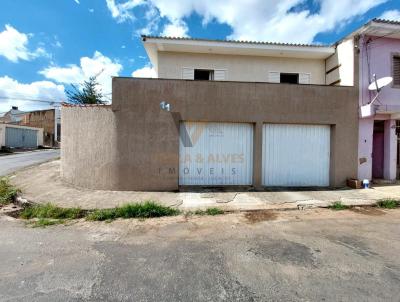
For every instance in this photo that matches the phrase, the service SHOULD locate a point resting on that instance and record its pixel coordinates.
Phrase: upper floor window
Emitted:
(290, 78)
(203, 75)
(396, 71)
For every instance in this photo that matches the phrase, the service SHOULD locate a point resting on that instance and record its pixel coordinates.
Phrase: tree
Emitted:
(86, 93)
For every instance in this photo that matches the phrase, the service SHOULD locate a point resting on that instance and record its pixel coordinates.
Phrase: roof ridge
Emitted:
(144, 37)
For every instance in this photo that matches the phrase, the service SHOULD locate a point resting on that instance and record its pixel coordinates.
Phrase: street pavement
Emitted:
(15, 162)
(311, 255)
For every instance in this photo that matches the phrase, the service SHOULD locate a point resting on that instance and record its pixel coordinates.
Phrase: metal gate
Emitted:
(296, 155)
(21, 138)
(215, 154)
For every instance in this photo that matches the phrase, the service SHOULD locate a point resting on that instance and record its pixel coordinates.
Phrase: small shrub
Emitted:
(7, 191)
(44, 222)
(388, 203)
(51, 211)
(147, 209)
(337, 205)
(209, 211)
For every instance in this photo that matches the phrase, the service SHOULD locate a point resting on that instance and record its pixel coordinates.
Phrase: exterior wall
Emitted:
(136, 145)
(3, 133)
(239, 68)
(341, 65)
(41, 119)
(89, 149)
(376, 58)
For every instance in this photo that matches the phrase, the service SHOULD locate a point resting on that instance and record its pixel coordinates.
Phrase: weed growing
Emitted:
(7, 192)
(388, 203)
(337, 205)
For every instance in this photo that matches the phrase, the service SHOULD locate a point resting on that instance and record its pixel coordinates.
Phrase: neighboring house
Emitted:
(377, 44)
(241, 113)
(48, 119)
(13, 116)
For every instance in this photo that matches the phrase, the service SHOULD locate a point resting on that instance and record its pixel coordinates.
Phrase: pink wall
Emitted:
(376, 57)
(380, 62)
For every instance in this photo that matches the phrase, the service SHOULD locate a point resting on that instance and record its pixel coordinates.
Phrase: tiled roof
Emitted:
(85, 105)
(386, 21)
(144, 37)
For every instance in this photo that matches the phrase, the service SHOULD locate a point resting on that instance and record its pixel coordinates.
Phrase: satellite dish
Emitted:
(380, 83)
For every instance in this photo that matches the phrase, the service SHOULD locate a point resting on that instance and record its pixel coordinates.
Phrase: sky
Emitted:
(47, 45)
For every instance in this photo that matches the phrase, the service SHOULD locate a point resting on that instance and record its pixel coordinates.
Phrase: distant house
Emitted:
(49, 120)
(13, 116)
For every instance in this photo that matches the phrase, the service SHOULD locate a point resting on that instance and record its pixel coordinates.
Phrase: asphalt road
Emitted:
(14, 162)
(313, 255)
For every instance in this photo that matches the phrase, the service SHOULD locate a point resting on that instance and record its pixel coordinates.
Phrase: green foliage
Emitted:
(147, 209)
(337, 205)
(44, 222)
(51, 211)
(7, 191)
(209, 211)
(388, 203)
(86, 93)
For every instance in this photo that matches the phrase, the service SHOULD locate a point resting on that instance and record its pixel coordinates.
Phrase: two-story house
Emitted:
(232, 113)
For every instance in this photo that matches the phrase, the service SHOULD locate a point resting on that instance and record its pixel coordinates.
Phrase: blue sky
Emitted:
(45, 45)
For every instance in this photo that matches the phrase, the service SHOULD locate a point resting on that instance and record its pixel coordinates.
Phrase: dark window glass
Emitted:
(203, 75)
(291, 78)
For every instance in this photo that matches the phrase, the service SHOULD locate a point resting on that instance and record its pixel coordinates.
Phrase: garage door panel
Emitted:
(21, 137)
(216, 154)
(296, 155)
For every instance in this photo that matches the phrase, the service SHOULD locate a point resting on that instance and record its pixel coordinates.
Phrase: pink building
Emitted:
(379, 54)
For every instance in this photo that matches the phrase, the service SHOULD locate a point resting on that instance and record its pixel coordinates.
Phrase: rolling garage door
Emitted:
(21, 138)
(215, 154)
(296, 155)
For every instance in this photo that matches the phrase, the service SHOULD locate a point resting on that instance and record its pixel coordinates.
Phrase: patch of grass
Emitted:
(44, 222)
(50, 211)
(337, 205)
(209, 211)
(7, 192)
(147, 209)
(388, 203)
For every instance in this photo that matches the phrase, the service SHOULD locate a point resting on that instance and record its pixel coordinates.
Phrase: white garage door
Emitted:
(296, 155)
(215, 154)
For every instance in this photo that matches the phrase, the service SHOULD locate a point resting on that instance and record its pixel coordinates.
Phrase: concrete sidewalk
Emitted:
(43, 183)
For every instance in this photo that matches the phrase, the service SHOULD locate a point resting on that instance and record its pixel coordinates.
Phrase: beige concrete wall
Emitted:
(88, 149)
(341, 64)
(136, 146)
(239, 68)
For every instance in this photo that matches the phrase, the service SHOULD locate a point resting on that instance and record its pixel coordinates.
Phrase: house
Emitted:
(13, 116)
(377, 44)
(221, 113)
(48, 119)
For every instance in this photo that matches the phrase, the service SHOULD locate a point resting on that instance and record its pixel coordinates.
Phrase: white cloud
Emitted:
(274, 20)
(14, 46)
(176, 29)
(393, 15)
(145, 72)
(77, 2)
(122, 11)
(41, 90)
(91, 10)
(99, 65)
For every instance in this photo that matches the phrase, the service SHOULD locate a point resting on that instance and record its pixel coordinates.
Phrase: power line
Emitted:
(29, 100)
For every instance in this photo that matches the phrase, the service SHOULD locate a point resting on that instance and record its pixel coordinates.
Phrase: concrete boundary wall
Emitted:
(135, 146)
